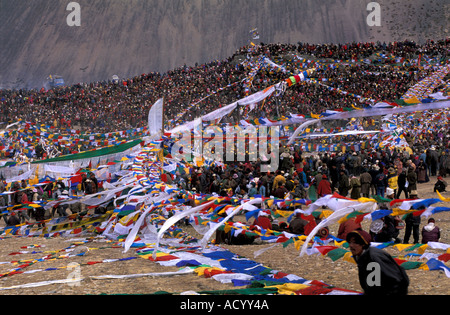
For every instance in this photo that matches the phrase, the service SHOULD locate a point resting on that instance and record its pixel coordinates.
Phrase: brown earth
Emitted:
(340, 273)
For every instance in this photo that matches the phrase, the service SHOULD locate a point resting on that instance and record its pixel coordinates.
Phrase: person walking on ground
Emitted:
(411, 177)
(343, 184)
(412, 223)
(379, 274)
(366, 180)
(402, 185)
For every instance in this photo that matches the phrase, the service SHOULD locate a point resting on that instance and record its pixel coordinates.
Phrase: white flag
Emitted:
(155, 118)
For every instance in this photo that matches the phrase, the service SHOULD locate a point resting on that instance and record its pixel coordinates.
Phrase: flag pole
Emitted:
(162, 126)
(161, 162)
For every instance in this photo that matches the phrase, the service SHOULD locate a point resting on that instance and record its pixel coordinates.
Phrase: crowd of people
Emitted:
(100, 107)
(352, 75)
(352, 174)
(17, 194)
(109, 106)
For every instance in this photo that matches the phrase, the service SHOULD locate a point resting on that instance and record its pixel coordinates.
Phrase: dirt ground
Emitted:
(339, 274)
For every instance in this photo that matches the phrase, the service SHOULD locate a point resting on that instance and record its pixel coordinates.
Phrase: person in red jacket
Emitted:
(348, 226)
(324, 187)
(263, 220)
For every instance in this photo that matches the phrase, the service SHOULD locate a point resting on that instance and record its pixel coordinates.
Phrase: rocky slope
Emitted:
(134, 36)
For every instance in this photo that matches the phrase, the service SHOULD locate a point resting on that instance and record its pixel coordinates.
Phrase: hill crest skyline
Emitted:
(127, 38)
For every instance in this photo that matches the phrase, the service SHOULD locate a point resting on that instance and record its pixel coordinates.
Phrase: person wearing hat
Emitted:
(13, 220)
(390, 193)
(378, 272)
(214, 187)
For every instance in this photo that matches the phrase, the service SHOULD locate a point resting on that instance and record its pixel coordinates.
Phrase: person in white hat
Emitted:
(390, 193)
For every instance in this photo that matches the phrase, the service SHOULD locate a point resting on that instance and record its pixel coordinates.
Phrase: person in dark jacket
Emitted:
(412, 223)
(280, 192)
(343, 184)
(440, 185)
(379, 273)
(366, 180)
(388, 233)
(13, 220)
(411, 177)
(381, 183)
(402, 185)
(430, 232)
(297, 225)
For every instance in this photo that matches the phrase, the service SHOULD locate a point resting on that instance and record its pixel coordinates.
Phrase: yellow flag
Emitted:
(336, 243)
(299, 243)
(227, 228)
(289, 288)
(348, 258)
(397, 211)
(412, 100)
(442, 198)
(200, 161)
(364, 199)
(284, 214)
(401, 247)
(326, 213)
(160, 155)
(422, 249)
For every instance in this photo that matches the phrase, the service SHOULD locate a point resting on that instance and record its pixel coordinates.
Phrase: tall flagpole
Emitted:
(161, 162)
(162, 126)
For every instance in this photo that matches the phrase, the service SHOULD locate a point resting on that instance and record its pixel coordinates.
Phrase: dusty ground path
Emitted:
(104, 258)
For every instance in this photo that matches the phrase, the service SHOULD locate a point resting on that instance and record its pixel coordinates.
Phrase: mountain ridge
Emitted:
(131, 37)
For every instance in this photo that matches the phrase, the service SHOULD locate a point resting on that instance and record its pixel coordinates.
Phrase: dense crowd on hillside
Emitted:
(106, 106)
(343, 80)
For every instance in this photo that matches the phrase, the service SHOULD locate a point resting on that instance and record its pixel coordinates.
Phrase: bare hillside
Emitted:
(134, 36)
